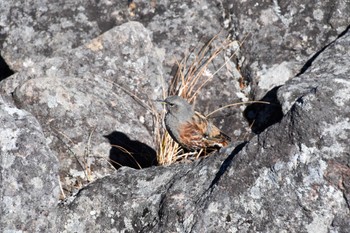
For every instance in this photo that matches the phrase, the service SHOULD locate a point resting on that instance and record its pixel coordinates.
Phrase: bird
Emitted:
(192, 130)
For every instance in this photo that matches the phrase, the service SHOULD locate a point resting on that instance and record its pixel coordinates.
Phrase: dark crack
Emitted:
(5, 70)
(308, 64)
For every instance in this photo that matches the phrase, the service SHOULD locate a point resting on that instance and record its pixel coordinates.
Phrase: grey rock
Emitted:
(279, 41)
(29, 172)
(120, 56)
(318, 75)
(106, 87)
(280, 36)
(290, 177)
(33, 31)
(293, 177)
(38, 32)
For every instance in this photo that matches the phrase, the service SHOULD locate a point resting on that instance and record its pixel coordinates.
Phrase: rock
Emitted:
(29, 172)
(146, 204)
(279, 40)
(37, 37)
(291, 177)
(120, 56)
(280, 36)
(35, 31)
(107, 86)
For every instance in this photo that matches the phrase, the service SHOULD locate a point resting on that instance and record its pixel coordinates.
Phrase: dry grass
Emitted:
(192, 75)
(236, 104)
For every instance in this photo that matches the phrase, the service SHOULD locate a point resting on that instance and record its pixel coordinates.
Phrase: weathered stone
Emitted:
(29, 172)
(292, 177)
(38, 37)
(33, 31)
(280, 36)
(106, 86)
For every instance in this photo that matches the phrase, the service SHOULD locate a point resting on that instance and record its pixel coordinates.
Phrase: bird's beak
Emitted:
(161, 101)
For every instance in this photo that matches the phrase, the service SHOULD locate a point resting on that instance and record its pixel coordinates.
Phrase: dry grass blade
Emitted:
(186, 78)
(70, 150)
(132, 95)
(128, 153)
(82, 160)
(168, 147)
(86, 161)
(62, 195)
(235, 104)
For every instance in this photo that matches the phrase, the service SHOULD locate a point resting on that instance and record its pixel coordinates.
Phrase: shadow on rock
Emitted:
(5, 70)
(126, 152)
(227, 163)
(261, 116)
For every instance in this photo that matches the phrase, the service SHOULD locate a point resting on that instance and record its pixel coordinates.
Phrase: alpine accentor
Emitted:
(191, 129)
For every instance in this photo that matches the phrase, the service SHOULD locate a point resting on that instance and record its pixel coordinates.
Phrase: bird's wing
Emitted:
(200, 133)
(191, 133)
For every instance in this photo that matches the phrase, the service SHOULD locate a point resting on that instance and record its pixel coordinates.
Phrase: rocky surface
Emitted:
(293, 177)
(279, 39)
(85, 81)
(33, 32)
(298, 28)
(29, 171)
(82, 97)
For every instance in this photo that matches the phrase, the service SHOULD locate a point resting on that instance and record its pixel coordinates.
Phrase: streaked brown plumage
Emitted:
(191, 129)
